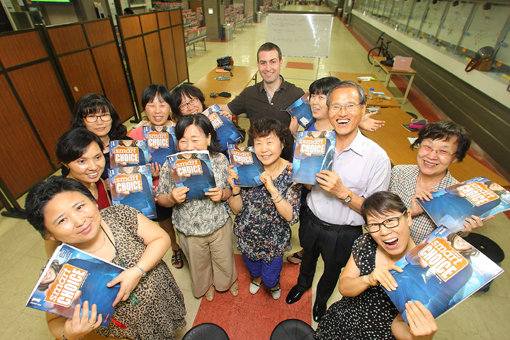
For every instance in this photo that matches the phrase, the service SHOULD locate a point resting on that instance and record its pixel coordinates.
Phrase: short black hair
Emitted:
(380, 203)
(323, 85)
(444, 130)
(72, 144)
(95, 103)
(188, 91)
(203, 123)
(264, 127)
(151, 91)
(269, 46)
(43, 192)
(350, 84)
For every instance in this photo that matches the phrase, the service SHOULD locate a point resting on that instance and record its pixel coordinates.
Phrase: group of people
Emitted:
(360, 190)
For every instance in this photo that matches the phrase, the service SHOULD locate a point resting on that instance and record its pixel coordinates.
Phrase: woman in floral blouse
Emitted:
(265, 213)
(203, 225)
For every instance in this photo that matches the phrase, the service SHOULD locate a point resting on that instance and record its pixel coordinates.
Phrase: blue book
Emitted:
(246, 164)
(313, 152)
(128, 153)
(69, 271)
(441, 272)
(132, 186)
(226, 131)
(302, 111)
(192, 169)
(478, 196)
(161, 142)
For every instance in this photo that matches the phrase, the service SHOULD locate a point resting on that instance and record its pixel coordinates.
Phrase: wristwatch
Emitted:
(348, 198)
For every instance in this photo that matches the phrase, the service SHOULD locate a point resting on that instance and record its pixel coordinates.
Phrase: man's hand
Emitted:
(331, 183)
(367, 123)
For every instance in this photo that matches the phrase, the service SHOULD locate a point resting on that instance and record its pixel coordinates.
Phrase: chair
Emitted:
(206, 331)
(292, 329)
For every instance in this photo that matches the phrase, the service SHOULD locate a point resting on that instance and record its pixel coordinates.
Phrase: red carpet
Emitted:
(253, 317)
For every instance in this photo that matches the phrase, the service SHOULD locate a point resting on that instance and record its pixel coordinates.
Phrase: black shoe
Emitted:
(318, 311)
(294, 295)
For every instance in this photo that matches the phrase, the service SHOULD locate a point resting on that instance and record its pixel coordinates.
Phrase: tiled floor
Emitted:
(483, 316)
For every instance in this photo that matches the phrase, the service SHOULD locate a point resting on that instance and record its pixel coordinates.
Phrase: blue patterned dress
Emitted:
(262, 233)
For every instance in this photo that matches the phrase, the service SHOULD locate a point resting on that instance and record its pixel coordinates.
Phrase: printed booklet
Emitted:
(246, 164)
(132, 186)
(70, 271)
(192, 169)
(161, 142)
(441, 272)
(226, 131)
(302, 111)
(128, 153)
(478, 196)
(313, 152)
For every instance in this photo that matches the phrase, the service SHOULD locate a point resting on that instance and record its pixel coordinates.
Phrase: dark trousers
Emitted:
(333, 242)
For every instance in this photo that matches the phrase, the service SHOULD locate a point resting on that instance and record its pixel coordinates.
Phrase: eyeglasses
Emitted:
(105, 117)
(390, 223)
(439, 152)
(349, 107)
(185, 106)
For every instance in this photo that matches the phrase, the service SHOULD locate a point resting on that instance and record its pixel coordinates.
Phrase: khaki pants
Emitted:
(210, 259)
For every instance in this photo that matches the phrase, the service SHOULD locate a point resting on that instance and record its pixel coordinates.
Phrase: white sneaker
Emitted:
(276, 292)
(254, 287)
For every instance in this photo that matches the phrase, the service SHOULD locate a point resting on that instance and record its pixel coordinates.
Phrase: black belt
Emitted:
(326, 225)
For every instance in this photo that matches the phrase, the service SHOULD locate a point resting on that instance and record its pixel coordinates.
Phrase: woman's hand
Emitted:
(472, 223)
(128, 280)
(79, 326)
(232, 174)
(266, 179)
(382, 275)
(293, 126)
(179, 194)
(416, 209)
(367, 123)
(422, 324)
(155, 170)
(215, 194)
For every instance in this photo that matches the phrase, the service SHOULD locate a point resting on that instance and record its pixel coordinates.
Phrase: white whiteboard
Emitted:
(300, 35)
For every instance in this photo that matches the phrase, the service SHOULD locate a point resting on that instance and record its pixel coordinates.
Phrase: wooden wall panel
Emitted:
(148, 22)
(67, 38)
(112, 76)
(180, 53)
(138, 65)
(99, 32)
(154, 58)
(80, 73)
(21, 48)
(167, 45)
(44, 102)
(130, 26)
(22, 159)
(175, 17)
(163, 19)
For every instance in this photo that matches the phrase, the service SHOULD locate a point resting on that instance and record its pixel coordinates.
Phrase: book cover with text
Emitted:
(478, 196)
(128, 153)
(132, 186)
(226, 131)
(313, 152)
(161, 142)
(246, 164)
(441, 272)
(192, 169)
(72, 277)
(302, 111)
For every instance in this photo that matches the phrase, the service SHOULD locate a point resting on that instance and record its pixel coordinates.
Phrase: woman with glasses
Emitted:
(97, 114)
(187, 100)
(439, 144)
(366, 311)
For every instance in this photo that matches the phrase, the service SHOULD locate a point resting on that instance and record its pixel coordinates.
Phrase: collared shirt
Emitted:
(403, 183)
(255, 102)
(364, 168)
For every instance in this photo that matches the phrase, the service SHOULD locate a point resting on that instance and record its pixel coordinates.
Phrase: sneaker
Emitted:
(254, 287)
(276, 291)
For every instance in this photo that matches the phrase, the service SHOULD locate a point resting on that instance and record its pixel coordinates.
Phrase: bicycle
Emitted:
(381, 50)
